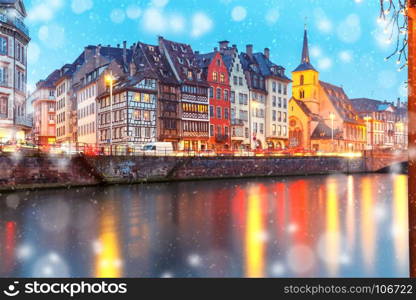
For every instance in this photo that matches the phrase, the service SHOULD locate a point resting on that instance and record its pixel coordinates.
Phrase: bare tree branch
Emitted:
(394, 14)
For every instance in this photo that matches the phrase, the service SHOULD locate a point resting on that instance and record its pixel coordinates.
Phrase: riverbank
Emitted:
(39, 172)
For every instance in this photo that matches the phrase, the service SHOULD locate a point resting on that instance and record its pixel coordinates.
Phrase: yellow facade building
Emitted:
(321, 117)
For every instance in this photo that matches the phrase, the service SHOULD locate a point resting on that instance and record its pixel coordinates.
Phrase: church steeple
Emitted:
(305, 51)
(305, 63)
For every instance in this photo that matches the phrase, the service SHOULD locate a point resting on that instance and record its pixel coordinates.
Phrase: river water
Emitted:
(321, 226)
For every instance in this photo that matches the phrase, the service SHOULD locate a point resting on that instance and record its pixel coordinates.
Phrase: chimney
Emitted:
(125, 53)
(234, 46)
(132, 68)
(249, 50)
(215, 49)
(118, 45)
(267, 53)
(97, 55)
(223, 45)
(197, 52)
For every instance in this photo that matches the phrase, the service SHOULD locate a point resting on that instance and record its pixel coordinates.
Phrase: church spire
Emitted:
(305, 51)
(305, 63)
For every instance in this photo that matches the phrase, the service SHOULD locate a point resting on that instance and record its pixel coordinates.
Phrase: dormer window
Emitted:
(174, 47)
(183, 49)
(190, 75)
(156, 58)
(180, 60)
(151, 48)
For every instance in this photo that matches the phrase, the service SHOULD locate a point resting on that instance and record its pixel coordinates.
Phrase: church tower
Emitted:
(306, 80)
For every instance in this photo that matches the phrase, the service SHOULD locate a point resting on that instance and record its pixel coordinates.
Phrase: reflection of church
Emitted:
(321, 116)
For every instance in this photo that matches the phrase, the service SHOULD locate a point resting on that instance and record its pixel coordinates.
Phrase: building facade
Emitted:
(65, 107)
(257, 98)
(276, 116)
(14, 39)
(88, 83)
(239, 97)
(215, 72)
(194, 102)
(148, 60)
(44, 111)
(386, 123)
(321, 117)
(128, 120)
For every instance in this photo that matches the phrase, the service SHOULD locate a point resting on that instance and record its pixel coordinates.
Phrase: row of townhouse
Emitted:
(120, 97)
(166, 92)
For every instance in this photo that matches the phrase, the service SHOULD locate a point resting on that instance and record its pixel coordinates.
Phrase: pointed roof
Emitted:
(305, 63)
(18, 4)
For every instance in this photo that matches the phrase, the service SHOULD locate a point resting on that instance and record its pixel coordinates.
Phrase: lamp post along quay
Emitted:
(110, 80)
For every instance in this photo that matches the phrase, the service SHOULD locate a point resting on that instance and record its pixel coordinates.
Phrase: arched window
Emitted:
(302, 80)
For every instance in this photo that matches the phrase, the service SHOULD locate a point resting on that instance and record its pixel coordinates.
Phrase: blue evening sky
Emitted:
(347, 44)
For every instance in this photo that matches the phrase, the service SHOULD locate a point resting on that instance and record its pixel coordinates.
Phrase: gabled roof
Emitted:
(250, 65)
(306, 110)
(149, 61)
(324, 132)
(182, 59)
(340, 101)
(268, 68)
(204, 61)
(364, 105)
(49, 82)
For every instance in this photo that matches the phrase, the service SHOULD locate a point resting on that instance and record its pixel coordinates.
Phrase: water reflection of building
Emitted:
(108, 261)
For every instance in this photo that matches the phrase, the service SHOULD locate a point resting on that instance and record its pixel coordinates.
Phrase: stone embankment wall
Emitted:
(49, 172)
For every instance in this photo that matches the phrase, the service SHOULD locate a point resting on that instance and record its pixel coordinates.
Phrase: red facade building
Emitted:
(215, 73)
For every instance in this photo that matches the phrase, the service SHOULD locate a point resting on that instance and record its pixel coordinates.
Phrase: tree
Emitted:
(401, 17)
(393, 13)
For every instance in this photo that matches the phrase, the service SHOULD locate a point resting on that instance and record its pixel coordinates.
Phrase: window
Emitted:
(218, 112)
(211, 92)
(302, 80)
(261, 128)
(285, 117)
(232, 97)
(146, 115)
(285, 103)
(211, 130)
(218, 94)
(3, 105)
(222, 78)
(274, 101)
(280, 117)
(274, 86)
(4, 76)
(240, 81)
(235, 80)
(226, 115)
(226, 95)
(3, 45)
(280, 88)
(211, 111)
(274, 116)
(215, 76)
(280, 102)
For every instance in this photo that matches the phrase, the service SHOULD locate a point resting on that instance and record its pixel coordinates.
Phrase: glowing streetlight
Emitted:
(332, 117)
(109, 79)
(369, 135)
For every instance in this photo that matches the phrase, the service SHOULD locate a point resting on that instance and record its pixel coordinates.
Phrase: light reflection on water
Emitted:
(325, 226)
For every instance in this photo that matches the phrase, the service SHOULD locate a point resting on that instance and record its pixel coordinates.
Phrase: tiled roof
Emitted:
(324, 132)
(183, 60)
(363, 105)
(49, 82)
(306, 110)
(203, 61)
(268, 68)
(150, 61)
(251, 66)
(340, 101)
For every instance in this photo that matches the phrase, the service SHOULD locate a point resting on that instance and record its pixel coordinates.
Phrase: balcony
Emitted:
(221, 138)
(16, 22)
(237, 122)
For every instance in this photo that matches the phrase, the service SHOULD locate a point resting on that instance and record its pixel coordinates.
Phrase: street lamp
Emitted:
(369, 142)
(109, 79)
(332, 117)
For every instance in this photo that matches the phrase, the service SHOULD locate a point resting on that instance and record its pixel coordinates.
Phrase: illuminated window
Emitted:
(215, 76)
(302, 80)
(146, 115)
(222, 78)
(137, 114)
